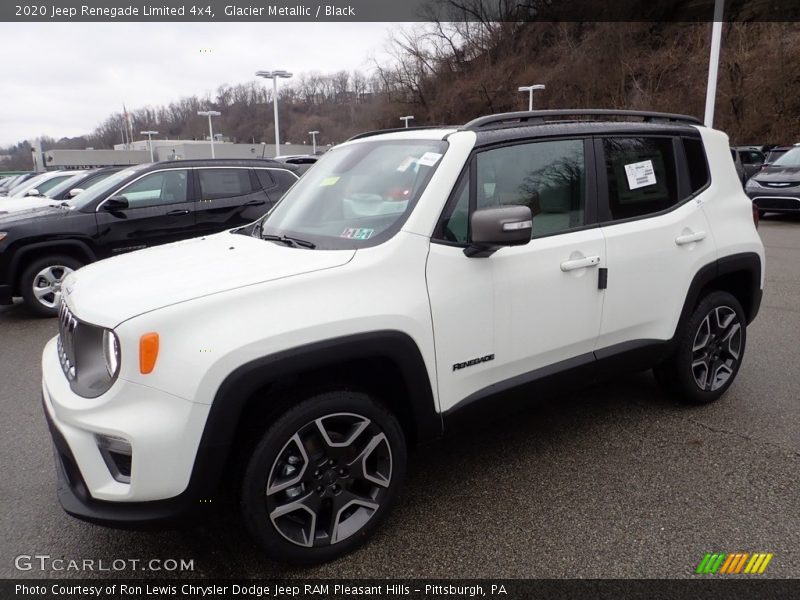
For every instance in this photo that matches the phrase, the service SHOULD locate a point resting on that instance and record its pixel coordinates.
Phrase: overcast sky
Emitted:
(64, 79)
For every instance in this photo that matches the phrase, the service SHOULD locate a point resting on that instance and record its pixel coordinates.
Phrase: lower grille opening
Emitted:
(117, 455)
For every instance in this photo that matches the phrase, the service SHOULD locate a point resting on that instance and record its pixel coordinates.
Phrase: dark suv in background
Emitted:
(777, 187)
(140, 206)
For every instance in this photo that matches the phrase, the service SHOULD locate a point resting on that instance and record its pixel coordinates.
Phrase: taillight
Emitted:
(755, 216)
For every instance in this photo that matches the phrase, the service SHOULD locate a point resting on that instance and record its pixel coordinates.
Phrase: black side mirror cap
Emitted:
(115, 203)
(493, 228)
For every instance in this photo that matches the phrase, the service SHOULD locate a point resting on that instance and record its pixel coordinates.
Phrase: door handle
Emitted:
(255, 202)
(690, 238)
(177, 212)
(580, 263)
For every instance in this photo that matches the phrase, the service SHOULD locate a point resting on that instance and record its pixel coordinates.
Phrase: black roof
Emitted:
(221, 162)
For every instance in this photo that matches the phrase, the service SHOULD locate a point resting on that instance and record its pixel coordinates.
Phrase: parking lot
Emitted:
(617, 481)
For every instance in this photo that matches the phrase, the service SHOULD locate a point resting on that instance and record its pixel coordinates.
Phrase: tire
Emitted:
(300, 507)
(41, 280)
(710, 349)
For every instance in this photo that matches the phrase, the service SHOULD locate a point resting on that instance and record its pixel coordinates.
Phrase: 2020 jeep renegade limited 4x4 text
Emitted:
(410, 284)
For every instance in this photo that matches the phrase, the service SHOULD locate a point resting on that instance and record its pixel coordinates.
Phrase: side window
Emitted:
(224, 183)
(696, 163)
(547, 177)
(265, 178)
(165, 187)
(455, 225)
(754, 158)
(641, 176)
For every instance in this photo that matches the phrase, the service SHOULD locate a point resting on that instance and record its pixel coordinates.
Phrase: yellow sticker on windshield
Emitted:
(329, 181)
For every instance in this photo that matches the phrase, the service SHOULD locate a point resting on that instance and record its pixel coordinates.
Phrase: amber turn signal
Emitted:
(148, 352)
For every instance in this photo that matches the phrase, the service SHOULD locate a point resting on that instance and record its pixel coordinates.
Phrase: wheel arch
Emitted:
(388, 363)
(75, 248)
(738, 274)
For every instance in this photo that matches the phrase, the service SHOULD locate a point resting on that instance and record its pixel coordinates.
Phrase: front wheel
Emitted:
(709, 352)
(323, 477)
(41, 283)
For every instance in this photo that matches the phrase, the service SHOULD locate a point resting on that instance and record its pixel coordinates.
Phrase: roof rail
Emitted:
(358, 136)
(536, 117)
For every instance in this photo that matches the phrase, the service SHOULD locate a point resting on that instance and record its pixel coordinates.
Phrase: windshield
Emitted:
(93, 192)
(790, 159)
(357, 195)
(19, 190)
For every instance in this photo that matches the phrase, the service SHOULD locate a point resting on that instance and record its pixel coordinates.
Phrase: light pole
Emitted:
(406, 119)
(313, 135)
(530, 89)
(713, 62)
(209, 114)
(274, 75)
(149, 135)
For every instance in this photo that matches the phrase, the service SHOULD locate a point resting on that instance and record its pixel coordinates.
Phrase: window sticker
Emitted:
(640, 174)
(407, 162)
(429, 159)
(328, 181)
(357, 234)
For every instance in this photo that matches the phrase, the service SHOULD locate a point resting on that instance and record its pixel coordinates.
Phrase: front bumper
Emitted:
(772, 200)
(164, 432)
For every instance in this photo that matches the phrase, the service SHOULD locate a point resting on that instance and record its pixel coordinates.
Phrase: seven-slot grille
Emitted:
(67, 324)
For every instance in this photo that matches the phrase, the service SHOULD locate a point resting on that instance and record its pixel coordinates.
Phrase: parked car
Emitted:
(13, 180)
(302, 161)
(777, 187)
(410, 285)
(39, 185)
(748, 161)
(141, 206)
(69, 188)
(776, 152)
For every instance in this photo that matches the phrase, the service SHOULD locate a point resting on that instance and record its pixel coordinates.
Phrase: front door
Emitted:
(161, 209)
(502, 319)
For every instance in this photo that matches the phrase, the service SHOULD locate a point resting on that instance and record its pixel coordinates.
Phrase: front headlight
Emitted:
(752, 183)
(3, 234)
(111, 352)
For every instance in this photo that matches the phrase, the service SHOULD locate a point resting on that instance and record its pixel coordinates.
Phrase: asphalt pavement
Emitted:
(616, 481)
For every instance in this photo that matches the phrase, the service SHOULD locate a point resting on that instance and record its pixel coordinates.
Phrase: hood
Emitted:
(111, 291)
(9, 205)
(21, 216)
(778, 174)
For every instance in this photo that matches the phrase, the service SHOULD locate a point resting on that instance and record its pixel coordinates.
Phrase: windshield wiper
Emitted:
(289, 241)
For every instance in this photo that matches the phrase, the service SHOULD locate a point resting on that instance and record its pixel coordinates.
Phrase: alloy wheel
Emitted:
(47, 284)
(329, 479)
(717, 348)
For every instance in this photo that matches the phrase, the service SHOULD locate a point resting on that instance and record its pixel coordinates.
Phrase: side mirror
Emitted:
(74, 192)
(493, 228)
(115, 203)
(32, 192)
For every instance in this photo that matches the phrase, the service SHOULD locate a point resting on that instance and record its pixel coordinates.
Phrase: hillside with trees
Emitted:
(450, 73)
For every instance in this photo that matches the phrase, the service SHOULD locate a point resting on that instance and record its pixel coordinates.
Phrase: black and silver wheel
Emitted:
(709, 352)
(41, 283)
(323, 476)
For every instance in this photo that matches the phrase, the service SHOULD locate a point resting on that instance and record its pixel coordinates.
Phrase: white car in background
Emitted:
(37, 186)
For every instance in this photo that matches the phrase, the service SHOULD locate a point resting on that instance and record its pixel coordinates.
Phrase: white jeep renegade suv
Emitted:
(410, 284)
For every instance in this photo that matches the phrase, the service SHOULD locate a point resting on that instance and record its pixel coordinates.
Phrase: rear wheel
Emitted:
(709, 351)
(41, 282)
(323, 477)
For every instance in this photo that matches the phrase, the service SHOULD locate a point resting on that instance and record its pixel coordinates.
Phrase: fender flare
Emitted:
(238, 387)
(15, 266)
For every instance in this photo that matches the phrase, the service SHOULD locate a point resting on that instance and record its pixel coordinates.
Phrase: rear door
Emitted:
(161, 209)
(229, 197)
(657, 236)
